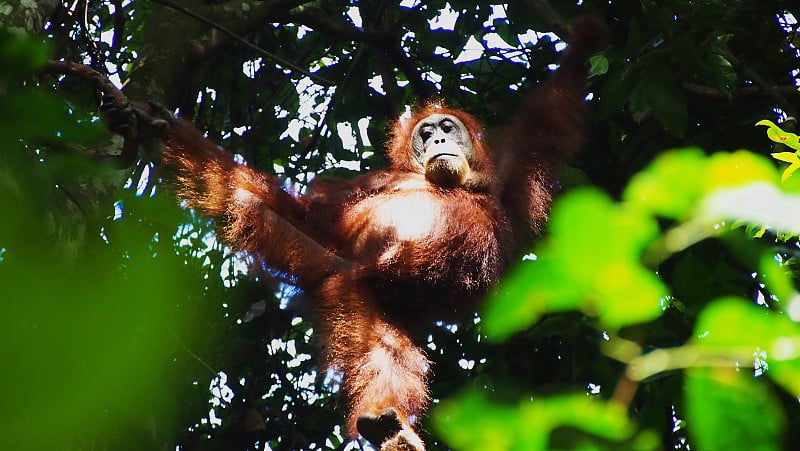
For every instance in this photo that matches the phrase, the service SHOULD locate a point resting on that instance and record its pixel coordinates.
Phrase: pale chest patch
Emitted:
(400, 216)
(411, 217)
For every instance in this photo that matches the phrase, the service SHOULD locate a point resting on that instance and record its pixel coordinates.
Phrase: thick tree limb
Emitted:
(746, 92)
(245, 42)
(100, 82)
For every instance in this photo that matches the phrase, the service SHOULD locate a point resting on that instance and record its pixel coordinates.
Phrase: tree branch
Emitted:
(766, 88)
(747, 91)
(129, 153)
(549, 15)
(382, 40)
(245, 42)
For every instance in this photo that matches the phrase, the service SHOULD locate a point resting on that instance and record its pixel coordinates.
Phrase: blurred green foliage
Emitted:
(87, 326)
(593, 251)
(560, 422)
(595, 260)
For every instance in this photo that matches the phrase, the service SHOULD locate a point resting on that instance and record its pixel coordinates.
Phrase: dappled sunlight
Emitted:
(758, 203)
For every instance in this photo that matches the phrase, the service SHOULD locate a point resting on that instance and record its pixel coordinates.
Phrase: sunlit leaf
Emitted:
(789, 157)
(776, 134)
(627, 294)
(562, 422)
(790, 169)
(757, 203)
(738, 168)
(527, 294)
(673, 185)
(593, 252)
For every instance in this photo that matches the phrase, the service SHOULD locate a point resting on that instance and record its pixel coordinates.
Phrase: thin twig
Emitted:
(768, 89)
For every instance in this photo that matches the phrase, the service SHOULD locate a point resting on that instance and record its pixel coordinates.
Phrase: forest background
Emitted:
(659, 310)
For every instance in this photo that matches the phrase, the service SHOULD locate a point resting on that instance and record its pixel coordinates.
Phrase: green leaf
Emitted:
(737, 327)
(776, 134)
(20, 56)
(473, 423)
(726, 71)
(590, 262)
(676, 182)
(598, 64)
(721, 405)
(739, 168)
(671, 185)
(720, 70)
(778, 277)
(789, 157)
(617, 90)
(659, 93)
(668, 105)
